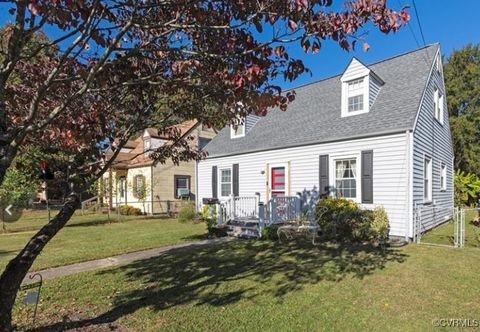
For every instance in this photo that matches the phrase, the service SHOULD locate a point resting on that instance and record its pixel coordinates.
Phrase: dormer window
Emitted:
(355, 95)
(360, 87)
(238, 130)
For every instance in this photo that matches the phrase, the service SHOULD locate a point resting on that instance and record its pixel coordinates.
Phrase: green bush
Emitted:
(341, 219)
(128, 210)
(467, 188)
(379, 226)
(187, 213)
(270, 233)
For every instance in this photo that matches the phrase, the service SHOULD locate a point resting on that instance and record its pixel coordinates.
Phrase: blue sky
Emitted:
(451, 23)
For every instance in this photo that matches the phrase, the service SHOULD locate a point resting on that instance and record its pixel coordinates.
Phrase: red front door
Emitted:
(278, 181)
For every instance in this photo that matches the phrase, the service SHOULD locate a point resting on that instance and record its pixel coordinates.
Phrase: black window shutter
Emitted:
(235, 185)
(367, 177)
(214, 182)
(323, 176)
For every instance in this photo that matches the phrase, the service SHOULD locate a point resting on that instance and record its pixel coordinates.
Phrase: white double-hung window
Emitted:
(356, 92)
(427, 179)
(443, 177)
(225, 182)
(438, 102)
(346, 178)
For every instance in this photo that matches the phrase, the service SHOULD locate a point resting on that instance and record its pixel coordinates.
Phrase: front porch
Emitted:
(246, 216)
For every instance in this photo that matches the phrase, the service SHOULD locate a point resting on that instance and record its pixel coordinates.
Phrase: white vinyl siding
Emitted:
(431, 138)
(390, 172)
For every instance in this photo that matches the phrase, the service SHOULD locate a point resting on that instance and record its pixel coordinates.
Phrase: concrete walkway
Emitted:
(123, 259)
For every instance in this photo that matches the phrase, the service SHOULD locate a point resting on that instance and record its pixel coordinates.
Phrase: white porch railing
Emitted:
(239, 207)
(279, 209)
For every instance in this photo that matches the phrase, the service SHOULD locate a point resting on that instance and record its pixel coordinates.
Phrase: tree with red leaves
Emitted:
(114, 67)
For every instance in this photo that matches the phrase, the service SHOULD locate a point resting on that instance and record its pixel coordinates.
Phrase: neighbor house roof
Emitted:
(315, 114)
(137, 157)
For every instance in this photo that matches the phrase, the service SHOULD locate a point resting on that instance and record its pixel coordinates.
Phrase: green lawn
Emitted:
(261, 286)
(444, 234)
(33, 219)
(90, 237)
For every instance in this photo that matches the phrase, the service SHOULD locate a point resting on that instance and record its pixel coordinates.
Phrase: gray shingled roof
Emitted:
(314, 116)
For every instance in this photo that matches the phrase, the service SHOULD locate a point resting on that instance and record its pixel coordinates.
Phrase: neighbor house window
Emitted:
(427, 179)
(182, 186)
(121, 186)
(225, 182)
(355, 95)
(346, 178)
(139, 188)
(443, 177)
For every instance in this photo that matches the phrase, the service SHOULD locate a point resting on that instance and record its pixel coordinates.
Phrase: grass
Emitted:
(255, 285)
(91, 237)
(32, 220)
(444, 234)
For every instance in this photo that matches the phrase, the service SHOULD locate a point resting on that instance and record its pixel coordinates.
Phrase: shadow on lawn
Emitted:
(224, 274)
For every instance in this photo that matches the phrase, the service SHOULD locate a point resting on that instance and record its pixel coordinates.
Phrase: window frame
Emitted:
(175, 184)
(363, 91)
(427, 176)
(438, 107)
(219, 181)
(333, 174)
(122, 187)
(135, 185)
(355, 178)
(443, 177)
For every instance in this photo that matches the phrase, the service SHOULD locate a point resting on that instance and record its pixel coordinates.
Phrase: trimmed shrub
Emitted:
(128, 210)
(380, 225)
(270, 233)
(341, 219)
(187, 213)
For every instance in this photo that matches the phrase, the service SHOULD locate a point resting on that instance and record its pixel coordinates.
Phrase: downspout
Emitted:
(197, 203)
(151, 190)
(409, 160)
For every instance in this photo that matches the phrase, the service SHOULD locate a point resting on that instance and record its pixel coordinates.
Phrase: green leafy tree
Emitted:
(467, 188)
(462, 81)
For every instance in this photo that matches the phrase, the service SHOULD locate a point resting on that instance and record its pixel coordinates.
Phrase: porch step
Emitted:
(243, 231)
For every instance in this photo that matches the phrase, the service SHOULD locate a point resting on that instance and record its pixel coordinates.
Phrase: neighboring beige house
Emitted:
(155, 188)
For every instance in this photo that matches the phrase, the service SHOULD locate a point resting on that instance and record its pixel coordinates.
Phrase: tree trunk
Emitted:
(17, 268)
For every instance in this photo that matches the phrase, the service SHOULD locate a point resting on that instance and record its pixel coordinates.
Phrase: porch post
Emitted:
(261, 216)
(298, 205)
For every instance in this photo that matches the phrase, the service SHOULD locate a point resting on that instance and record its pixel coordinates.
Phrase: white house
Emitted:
(377, 134)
